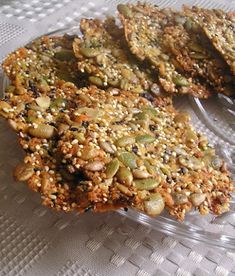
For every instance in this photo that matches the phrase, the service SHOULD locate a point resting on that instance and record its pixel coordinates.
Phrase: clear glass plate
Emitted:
(216, 118)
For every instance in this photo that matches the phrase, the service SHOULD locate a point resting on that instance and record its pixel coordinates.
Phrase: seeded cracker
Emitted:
(145, 153)
(218, 26)
(143, 27)
(94, 149)
(194, 52)
(104, 55)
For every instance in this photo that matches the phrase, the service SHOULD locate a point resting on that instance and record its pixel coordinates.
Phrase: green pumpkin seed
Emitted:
(190, 162)
(89, 153)
(96, 80)
(146, 184)
(124, 10)
(165, 170)
(150, 111)
(180, 81)
(125, 176)
(107, 147)
(198, 56)
(181, 118)
(124, 141)
(58, 103)
(80, 137)
(42, 131)
(64, 55)
(196, 47)
(128, 159)
(197, 199)
(90, 52)
(151, 169)
(112, 168)
(4, 107)
(66, 76)
(84, 98)
(145, 139)
(180, 198)
(191, 26)
(190, 135)
(154, 205)
(43, 101)
(141, 116)
(123, 189)
(23, 172)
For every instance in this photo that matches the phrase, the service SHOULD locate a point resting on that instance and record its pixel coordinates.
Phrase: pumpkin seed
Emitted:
(190, 135)
(124, 141)
(4, 107)
(145, 139)
(146, 184)
(64, 55)
(198, 56)
(125, 176)
(180, 81)
(96, 80)
(181, 118)
(58, 103)
(62, 128)
(84, 98)
(196, 47)
(128, 159)
(197, 199)
(23, 172)
(191, 26)
(43, 101)
(80, 137)
(93, 113)
(106, 146)
(112, 168)
(42, 131)
(94, 166)
(90, 52)
(150, 111)
(190, 162)
(154, 205)
(124, 10)
(180, 198)
(123, 189)
(139, 174)
(89, 153)
(216, 163)
(141, 116)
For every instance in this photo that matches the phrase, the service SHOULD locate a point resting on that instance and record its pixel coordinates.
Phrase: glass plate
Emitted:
(215, 117)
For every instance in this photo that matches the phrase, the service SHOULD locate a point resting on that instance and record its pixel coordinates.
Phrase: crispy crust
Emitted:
(196, 56)
(143, 26)
(103, 54)
(218, 26)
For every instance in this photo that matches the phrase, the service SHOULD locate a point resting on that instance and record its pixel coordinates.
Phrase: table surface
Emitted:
(37, 241)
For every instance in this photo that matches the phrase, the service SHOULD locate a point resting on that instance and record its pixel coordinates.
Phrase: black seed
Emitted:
(148, 96)
(182, 170)
(152, 127)
(125, 209)
(135, 149)
(85, 124)
(73, 128)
